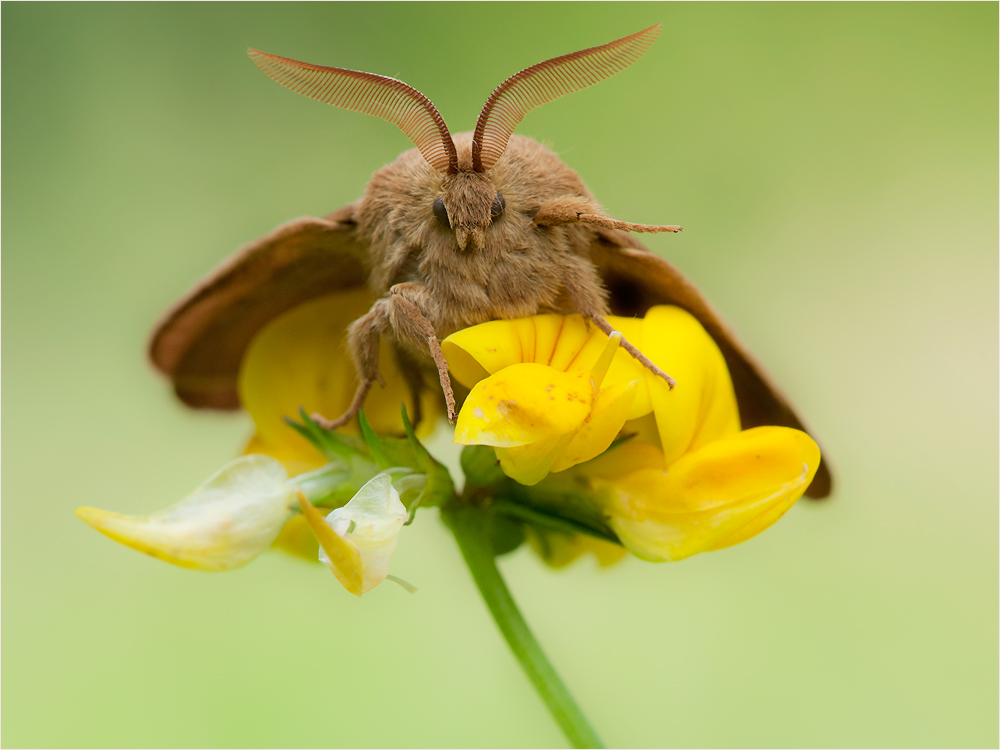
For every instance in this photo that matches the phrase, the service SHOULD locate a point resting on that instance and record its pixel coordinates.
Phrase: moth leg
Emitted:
(414, 381)
(352, 411)
(590, 299)
(363, 337)
(627, 346)
(409, 323)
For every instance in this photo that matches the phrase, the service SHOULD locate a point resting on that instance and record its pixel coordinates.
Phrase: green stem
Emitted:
(471, 527)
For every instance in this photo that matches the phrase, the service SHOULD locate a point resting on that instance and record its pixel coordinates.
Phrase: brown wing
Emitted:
(200, 342)
(637, 279)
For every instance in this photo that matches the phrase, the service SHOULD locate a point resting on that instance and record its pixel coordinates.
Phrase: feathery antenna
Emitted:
(544, 82)
(376, 95)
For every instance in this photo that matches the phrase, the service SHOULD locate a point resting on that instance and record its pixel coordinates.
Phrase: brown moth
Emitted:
(461, 230)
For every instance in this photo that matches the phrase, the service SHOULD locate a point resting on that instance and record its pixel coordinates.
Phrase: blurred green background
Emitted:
(835, 169)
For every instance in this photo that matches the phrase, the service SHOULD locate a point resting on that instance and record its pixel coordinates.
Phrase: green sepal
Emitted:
(333, 485)
(543, 520)
(480, 466)
(387, 452)
(440, 487)
(330, 443)
(565, 500)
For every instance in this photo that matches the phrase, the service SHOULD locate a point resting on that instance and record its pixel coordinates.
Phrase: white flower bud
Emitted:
(225, 523)
(371, 522)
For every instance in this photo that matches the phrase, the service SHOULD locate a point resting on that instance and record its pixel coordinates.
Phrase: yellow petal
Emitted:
(625, 368)
(522, 404)
(623, 460)
(611, 407)
(342, 556)
(564, 342)
(702, 408)
(476, 352)
(301, 359)
(714, 497)
(530, 464)
(230, 519)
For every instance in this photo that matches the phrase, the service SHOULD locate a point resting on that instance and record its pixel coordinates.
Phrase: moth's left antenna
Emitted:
(383, 97)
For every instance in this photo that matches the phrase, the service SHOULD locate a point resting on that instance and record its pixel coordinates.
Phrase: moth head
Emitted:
(468, 205)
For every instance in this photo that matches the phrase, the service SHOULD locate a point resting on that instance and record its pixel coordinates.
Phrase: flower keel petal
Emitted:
(230, 519)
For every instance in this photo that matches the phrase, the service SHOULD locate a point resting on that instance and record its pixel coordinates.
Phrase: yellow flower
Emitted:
(300, 359)
(540, 418)
(229, 520)
(716, 496)
(687, 481)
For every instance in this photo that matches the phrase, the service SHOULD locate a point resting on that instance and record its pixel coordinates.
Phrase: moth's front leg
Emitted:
(410, 324)
(590, 299)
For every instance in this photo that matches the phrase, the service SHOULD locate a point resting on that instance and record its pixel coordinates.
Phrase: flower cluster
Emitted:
(551, 392)
(569, 440)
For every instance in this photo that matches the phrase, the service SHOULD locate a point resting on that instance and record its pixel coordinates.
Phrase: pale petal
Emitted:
(225, 523)
(371, 521)
(714, 497)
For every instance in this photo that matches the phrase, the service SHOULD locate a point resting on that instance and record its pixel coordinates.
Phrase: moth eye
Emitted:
(496, 210)
(441, 213)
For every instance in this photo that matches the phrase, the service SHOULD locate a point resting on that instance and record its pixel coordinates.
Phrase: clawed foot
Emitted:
(352, 410)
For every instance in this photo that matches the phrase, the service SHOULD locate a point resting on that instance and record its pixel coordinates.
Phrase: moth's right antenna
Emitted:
(542, 83)
(392, 100)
